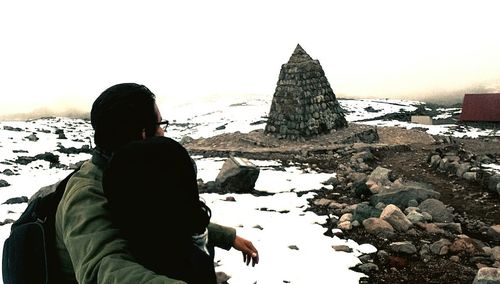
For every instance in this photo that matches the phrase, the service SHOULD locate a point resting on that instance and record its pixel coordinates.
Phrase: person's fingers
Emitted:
(255, 259)
(254, 250)
(244, 256)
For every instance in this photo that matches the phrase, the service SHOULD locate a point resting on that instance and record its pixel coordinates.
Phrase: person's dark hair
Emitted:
(153, 196)
(120, 114)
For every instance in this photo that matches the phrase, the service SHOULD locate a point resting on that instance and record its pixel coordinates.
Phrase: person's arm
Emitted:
(221, 236)
(97, 252)
(226, 238)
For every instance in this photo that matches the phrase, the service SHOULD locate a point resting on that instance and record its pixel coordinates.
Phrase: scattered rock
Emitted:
(185, 140)
(403, 247)
(465, 245)
(400, 195)
(364, 211)
(394, 216)
(437, 209)
(222, 277)
(237, 175)
(4, 183)
(378, 227)
(7, 221)
(8, 172)
(494, 233)
(367, 267)
(440, 247)
(455, 228)
(32, 137)
(487, 275)
(10, 128)
(343, 248)
(16, 200)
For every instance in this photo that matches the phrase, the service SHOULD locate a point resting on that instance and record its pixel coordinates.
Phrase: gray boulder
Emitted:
(437, 209)
(237, 175)
(401, 194)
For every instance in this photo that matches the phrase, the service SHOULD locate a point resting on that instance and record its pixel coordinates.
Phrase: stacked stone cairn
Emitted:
(304, 104)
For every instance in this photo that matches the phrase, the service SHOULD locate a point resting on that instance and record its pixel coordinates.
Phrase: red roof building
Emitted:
(481, 107)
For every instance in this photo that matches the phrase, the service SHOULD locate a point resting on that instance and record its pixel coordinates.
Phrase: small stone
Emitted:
(345, 217)
(343, 248)
(403, 247)
(258, 227)
(367, 267)
(346, 226)
(293, 247)
(230, 198)
(382, 256)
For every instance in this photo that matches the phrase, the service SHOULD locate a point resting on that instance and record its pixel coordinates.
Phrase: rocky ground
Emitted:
(442, 232)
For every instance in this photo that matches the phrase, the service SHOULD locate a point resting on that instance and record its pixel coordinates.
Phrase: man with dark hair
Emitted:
(90, 247)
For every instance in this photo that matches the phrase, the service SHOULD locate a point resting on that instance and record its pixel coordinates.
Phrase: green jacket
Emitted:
(89, 245)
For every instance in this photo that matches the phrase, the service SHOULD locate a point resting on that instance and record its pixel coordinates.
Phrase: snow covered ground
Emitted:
(290, 239)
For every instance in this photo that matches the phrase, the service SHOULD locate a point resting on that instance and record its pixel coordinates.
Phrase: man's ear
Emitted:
(143, 133)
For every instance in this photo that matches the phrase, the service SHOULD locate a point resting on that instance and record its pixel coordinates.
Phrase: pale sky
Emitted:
(57, 54)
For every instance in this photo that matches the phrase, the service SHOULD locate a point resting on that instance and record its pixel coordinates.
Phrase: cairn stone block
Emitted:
(237, 175)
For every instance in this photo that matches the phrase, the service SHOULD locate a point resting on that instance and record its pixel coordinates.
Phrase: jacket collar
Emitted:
(101, 158)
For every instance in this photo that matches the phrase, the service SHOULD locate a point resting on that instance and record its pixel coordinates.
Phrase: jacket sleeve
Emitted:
(221, 236)
(97, 252)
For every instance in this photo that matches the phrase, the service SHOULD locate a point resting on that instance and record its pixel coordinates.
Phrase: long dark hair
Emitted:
(153, 195)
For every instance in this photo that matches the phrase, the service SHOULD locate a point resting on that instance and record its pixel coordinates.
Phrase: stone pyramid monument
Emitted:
(304, 104)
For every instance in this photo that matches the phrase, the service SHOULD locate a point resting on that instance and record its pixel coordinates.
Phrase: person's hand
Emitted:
(247, 249)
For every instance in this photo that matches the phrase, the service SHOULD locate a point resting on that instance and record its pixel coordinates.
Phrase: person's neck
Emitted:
(101, 157)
